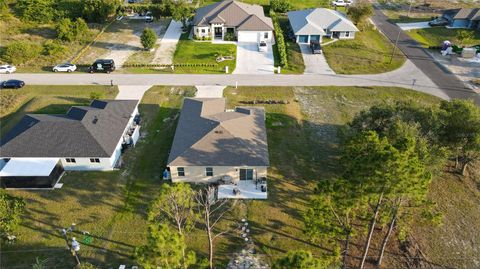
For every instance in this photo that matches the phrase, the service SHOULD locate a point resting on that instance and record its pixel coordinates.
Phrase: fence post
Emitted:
(279, 69)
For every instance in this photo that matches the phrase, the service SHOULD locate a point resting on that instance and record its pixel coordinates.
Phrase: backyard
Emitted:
(111, 205)
(369, 53)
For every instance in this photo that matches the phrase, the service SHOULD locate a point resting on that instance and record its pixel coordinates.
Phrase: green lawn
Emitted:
(435, 36)
(45, 99)
(369, 53)
(294, 54)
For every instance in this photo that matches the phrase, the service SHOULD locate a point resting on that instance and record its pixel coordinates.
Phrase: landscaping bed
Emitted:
(369, 53)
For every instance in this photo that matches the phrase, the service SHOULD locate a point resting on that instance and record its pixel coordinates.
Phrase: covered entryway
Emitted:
(218, 32)
(31, 173)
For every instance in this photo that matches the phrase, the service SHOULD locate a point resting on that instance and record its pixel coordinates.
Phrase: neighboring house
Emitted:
(212, 143)
(247, 23)
(40, 147)
(312, 24)
(463, 17)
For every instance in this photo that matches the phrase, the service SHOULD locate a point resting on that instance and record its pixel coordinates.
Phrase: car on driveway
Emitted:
(65, 68)
(439, 22)
(102, 65)
(12, 84)
(315, 47)
(7, 69)
(262, 46)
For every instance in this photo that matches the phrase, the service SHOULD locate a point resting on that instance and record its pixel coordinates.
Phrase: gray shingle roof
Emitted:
(314, 21)
(85, 131)
(466, 13)
(207, 135)
(233, 14)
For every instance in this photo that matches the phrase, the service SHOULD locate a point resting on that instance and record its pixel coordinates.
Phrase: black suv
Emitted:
(315, 46)
(102, 65)
(12, 84)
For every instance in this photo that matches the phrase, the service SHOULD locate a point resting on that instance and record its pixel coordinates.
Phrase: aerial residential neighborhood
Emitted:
(282, 134)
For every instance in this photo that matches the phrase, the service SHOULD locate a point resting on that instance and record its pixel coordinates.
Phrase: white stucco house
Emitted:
(312, 24)
(245, 22)
(40, 147)
(213, 144)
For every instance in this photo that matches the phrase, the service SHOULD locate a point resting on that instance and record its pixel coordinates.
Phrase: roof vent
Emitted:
(95, 119)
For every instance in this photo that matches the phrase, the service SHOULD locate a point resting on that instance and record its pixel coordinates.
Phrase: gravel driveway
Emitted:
(315, 63)
(251, 61)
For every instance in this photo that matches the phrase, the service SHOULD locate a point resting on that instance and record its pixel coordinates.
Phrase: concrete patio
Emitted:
(247, 190)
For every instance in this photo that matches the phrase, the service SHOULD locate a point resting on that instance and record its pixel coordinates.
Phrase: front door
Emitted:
(218, 32)
(246, 174)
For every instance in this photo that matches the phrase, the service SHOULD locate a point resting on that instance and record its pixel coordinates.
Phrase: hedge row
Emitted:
(169, 65)
(280, 39)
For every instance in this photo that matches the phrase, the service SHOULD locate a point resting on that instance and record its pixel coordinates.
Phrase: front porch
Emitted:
(243, 189)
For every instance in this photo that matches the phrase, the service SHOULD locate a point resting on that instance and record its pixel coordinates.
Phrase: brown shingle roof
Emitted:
(207, 135)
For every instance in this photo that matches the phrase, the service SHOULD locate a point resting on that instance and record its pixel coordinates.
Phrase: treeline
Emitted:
(389, 154)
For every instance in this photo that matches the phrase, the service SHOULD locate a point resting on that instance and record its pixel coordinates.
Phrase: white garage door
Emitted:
(248, 36)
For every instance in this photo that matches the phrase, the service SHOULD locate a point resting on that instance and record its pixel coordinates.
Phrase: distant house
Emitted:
(463, 17)
(312, 24)
(247, 23)
(213, 144)
(40, 147)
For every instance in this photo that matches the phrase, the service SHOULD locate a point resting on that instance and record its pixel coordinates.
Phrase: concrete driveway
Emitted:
(315, 63)
(168, 44)
(413, 25)
(251, 61)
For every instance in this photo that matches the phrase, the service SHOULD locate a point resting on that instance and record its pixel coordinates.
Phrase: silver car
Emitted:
(7, 69)
(65, 68)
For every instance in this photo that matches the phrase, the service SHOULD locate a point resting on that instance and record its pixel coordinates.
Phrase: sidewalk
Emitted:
(168, 44)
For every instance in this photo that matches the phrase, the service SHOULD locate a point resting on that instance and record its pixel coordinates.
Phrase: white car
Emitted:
(7, 69)
(65, 68)
(342, 3)
(262, 46)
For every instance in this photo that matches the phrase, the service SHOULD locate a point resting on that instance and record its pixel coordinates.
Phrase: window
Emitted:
(70, 160)
(265, 35)
(347, 34)
(181, 171)
(209, 171)
(203, 31)
(94, 160)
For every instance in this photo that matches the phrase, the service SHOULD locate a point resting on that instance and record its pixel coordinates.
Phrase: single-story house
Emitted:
(229, 18)
(463, 17)
(213, 144)
(312, 24)
(40, 147)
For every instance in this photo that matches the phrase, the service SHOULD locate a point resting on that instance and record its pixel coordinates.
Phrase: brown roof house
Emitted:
(213, 144)
(232, 20)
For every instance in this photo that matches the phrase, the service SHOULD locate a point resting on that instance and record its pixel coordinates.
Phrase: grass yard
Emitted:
(368, 53)
(435, 36)
(294, 54)
(14, 104)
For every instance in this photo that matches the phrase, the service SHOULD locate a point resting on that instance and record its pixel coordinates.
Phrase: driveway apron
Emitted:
(252, 61)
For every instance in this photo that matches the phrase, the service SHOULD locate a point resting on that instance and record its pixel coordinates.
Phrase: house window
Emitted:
(70, 160)
(203, 31)
(94, 160)
(347, 34)
(265, 35)
(181, 171)
(209, 171)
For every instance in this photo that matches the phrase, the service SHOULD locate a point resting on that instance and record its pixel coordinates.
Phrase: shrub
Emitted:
(20, 52)
(359, 13)
(99, 11)
(281, 6)
(229, 37)
(282, 48)
(148, 38)
(80, 30)
(41, 11)
(64, 30)
(51, 48)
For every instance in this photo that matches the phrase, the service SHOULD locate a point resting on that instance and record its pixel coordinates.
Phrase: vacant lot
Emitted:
(435, 36)
(14, 104)
(369, 53)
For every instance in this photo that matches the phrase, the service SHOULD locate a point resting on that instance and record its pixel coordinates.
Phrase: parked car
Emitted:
(315, 47)
(438, 22)
(102, 65)
(7, 69)
(64, 68)
(262, 46)
(342, 3)
(12, 84)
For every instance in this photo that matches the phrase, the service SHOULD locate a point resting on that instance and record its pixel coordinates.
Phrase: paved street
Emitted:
(448, 82)
(408, 76)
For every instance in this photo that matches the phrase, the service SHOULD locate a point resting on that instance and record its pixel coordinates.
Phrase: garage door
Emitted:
(246, 36)
(314, 38)
(303, 39)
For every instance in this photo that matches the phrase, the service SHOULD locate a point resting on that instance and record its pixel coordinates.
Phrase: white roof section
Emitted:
(28, 167)
(314, 21)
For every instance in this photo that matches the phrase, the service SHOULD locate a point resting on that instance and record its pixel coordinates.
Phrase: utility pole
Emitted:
(399, 31)
(75, 246)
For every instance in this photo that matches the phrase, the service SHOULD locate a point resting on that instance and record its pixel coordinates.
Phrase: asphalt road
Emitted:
(444, 79)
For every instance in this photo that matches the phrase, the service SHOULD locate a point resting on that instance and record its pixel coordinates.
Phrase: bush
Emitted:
(51, 48)
(229, 37)
(80, 30)
(41, 11)
(359, 13)
(21, 52)
(99, 11)
(281, 6)
(64, 30)
(148, 38)
(282, 48)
